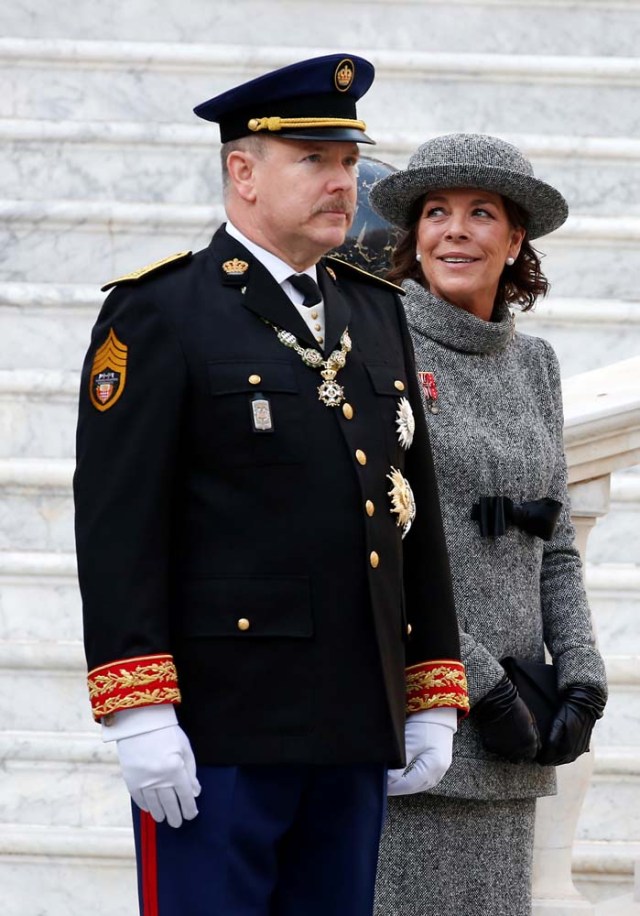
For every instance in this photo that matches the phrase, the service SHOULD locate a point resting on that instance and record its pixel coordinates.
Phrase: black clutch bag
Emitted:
(537, 684)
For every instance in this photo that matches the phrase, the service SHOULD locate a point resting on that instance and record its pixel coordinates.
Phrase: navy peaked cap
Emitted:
(311, 100)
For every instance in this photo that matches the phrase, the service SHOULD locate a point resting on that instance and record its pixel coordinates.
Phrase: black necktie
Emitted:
(308, 287)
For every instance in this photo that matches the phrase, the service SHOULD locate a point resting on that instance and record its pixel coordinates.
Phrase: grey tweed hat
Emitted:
(470, 161)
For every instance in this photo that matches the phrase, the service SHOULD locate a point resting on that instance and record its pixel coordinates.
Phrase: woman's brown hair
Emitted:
(520, 284)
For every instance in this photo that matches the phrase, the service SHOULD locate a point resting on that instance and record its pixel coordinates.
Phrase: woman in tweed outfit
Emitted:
(470, 205)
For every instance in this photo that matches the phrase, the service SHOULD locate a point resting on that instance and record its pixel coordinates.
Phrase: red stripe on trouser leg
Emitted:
(149, 864)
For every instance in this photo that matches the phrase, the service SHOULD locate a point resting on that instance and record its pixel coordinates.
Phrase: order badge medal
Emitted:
(405, 423)
(403, 504)
(108, 373)
(430, 390)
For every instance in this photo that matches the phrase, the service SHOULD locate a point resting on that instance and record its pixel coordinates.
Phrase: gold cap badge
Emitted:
(108, 373)
(344, 75)
(235, 267)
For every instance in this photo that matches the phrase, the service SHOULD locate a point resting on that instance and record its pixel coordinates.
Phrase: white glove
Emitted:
(160, 772)
(428, 739)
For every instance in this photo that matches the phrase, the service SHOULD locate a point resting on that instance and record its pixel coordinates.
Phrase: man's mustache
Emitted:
(336, 203)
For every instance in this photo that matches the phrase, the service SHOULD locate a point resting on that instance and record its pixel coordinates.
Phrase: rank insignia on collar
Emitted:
(430, 390)
(331, 273)
(108, 373)
(235, 267)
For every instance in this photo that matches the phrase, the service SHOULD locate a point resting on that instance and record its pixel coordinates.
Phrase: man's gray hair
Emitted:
(255, 145)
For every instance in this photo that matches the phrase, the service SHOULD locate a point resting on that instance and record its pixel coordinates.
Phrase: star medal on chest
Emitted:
(330, 391)
(405, 423)
(403, 504)
(430, 390)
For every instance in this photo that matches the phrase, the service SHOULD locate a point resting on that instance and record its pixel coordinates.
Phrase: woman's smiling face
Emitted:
(464, 238)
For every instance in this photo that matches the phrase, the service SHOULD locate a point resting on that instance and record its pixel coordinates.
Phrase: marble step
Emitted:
(459, 25)
(89, 791)
(48, 325)
(38, 407)
(38, 411)
(67, 871)
(39, 600)
(37, 512)
(585, 333)
(178, 163)
(91, 242)
(39, 597)
(154, 81)
(45, 681)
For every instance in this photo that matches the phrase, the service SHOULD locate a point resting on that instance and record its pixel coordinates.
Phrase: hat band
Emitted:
(275, 124)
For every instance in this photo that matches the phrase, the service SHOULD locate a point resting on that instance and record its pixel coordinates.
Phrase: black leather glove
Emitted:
(506, 725)
(571, 729)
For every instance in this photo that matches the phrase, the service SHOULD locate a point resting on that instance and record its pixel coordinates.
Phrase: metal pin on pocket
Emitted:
(261, 418)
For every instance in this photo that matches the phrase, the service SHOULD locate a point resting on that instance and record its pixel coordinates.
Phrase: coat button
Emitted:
(370, 508)
(361, 458)
(243, 624)
(408, 629)
(374, 559)
(254, 379)
(398, 385)
(347, 410)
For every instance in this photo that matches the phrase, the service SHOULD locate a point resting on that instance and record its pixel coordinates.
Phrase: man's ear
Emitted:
(241, 169)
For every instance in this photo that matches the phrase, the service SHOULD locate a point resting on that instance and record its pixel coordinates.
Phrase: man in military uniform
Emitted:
(262, 610)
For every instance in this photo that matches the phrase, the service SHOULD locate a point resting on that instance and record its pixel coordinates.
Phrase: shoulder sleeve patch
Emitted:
(108, 373)
(365, 276)
(149, 269)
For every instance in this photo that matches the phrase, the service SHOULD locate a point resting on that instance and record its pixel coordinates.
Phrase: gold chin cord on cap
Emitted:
(275, 124)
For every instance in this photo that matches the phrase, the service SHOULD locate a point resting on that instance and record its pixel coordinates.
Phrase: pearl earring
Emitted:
(418, 256)
(511, 262)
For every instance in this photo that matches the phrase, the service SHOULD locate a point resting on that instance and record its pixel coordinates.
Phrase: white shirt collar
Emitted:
(278, 268)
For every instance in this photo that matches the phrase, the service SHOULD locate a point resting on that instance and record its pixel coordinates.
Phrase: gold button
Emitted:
(374, 559)
(320, 339)
(243, 624)
(370, 508)
(347, 410)
(361, 458)
(255, 379)
(408, 629)
(314, 315)
(399, 385)
(317, 327)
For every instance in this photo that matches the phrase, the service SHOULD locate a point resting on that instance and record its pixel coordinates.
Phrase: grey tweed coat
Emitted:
(498, 430)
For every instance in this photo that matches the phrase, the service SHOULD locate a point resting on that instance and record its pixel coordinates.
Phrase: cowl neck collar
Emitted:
(454, 327)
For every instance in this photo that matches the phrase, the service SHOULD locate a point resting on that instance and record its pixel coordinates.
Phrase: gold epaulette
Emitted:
(364, 274)
(145, 271)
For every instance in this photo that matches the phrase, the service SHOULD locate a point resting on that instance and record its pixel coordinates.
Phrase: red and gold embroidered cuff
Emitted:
(438, 683)
(130, 682)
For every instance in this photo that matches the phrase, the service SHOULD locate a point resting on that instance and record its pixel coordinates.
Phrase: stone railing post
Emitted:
(554, 893)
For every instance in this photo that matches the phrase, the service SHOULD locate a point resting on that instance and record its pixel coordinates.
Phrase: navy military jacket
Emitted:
(246, 565)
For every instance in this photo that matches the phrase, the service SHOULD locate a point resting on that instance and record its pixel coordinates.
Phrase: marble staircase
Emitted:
(103, 168)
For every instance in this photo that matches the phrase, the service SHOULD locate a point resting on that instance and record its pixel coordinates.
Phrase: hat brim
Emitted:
(346, 134)
(394, 196)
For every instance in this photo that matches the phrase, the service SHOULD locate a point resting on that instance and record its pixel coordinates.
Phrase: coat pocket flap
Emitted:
(248, 608)
(385, 379)
(244, 376)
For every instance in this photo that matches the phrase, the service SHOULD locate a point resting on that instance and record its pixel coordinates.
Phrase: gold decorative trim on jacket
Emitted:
(438, 683)
(129, 682)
